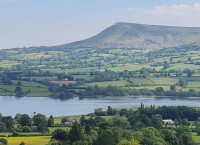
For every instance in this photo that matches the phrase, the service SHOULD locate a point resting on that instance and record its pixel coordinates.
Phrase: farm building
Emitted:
(168, 121)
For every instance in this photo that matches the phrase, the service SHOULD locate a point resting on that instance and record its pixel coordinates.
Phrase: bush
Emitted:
(59, 134)
(14, 134)
(3, 141)
(34, 128)
(22, 143)
(26, 129)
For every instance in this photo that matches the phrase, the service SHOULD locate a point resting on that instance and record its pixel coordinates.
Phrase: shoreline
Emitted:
(104, 97)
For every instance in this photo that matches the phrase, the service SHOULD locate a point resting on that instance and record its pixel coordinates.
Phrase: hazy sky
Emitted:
(52, 22)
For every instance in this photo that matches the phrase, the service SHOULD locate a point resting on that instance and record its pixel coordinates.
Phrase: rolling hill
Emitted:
(139, 36)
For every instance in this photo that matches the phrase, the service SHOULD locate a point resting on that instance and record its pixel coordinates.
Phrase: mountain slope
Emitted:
(130, 35)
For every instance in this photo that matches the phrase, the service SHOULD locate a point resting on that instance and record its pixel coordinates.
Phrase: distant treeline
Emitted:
(66, 92)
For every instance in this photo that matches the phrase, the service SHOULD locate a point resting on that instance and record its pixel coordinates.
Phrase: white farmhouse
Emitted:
(168, 121)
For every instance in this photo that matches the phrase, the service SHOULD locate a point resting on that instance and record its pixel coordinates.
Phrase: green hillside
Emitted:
(130, 35)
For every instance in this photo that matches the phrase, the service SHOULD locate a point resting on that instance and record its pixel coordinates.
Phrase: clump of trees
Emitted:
(130, 127)
(39, 123)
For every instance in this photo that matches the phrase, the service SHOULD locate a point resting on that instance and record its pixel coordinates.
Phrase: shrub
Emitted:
(26, 129)
(14, 134)
(3, 141)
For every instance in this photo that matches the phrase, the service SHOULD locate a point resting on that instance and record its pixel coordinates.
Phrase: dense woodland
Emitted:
(143, 125)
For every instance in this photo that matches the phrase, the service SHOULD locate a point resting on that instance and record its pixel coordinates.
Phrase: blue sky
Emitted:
(52, 22)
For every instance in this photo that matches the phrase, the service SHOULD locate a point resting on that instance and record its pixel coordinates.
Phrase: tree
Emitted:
(99, 120)
(25, 120)
(159, 91)
(88, 130)
(22, 143)
(60, 134)
(3, 141)
(166, 65)
(173, 88)
(26, 129)
(169, 136)
(198, 126)
(39, 118)
(118, 121)
(8, 122)
(40, 121)
(18, 89)
(157, 120)
(111, 111)
(184, 136)
(2, 127)
(15, 134)
(1, 116)
(18, 117)
(51, 121)
(99, 112)
(82, 120)
(176, 122)
(189, 58)
(19, 83)
(151, 136)
(6, 81)
(189, 73)
(108, 136)
(182, 82)
(198, 130)
(75, 132)
(185, 122)
(42, 127)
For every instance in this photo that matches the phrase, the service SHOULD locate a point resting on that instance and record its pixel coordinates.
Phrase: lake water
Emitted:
(56, 107)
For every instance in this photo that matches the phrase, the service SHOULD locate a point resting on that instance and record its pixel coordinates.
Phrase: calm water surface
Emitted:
(56, 107)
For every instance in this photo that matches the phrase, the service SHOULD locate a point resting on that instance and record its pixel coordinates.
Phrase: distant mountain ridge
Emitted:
(139, 36)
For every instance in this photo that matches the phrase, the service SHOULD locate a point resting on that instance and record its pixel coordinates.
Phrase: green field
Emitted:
(50, 78)
(121, 83)
(38, 140)
(181, 66)
(52, 129)
(164, 81)
(142, 81)
(129, 68)
(195, 137)
(7, 63)
(36, 89)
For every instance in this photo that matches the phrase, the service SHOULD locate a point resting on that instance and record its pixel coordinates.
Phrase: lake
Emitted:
(48, 106)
